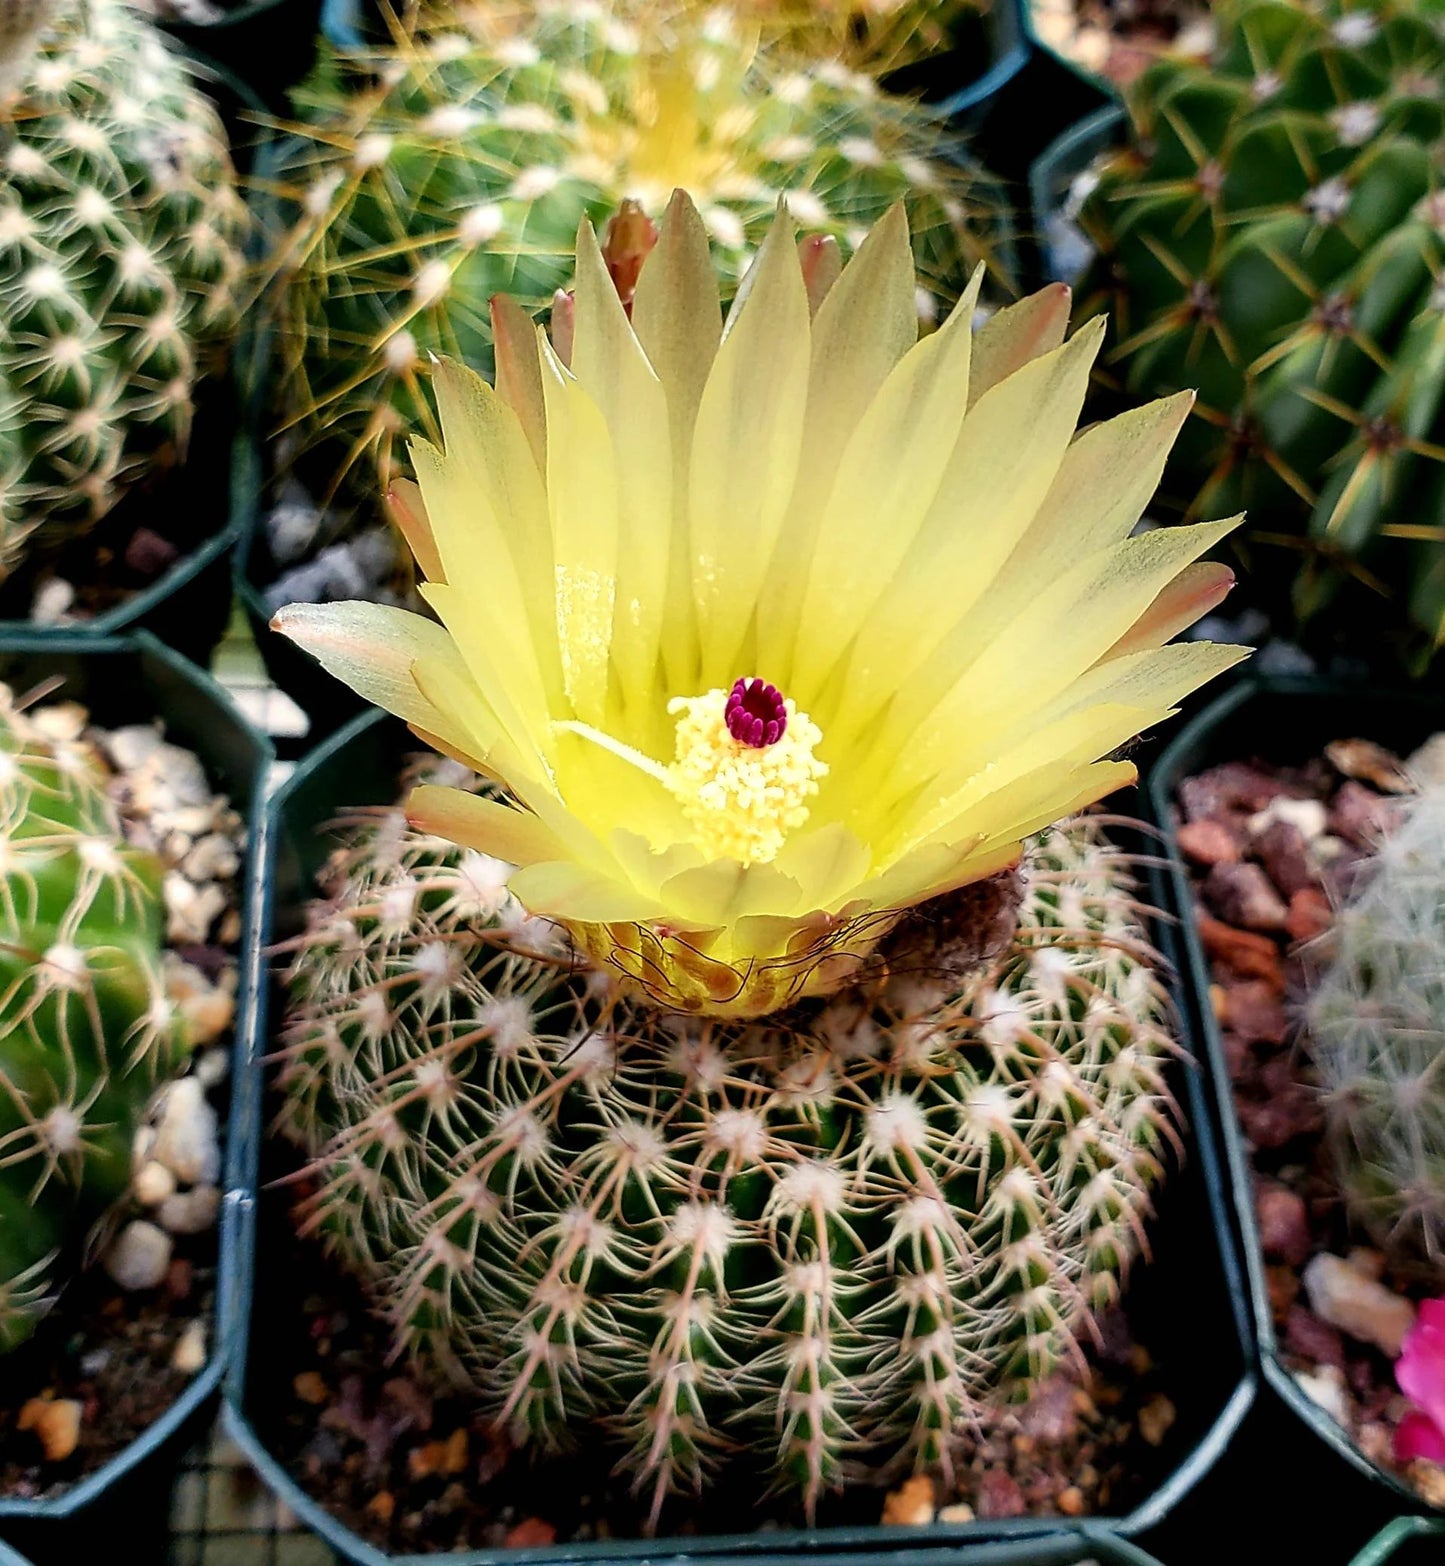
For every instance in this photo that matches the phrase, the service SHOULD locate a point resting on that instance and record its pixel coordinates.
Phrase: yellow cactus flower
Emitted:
(773, 629)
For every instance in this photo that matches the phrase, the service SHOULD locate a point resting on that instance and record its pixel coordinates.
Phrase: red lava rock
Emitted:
(1360, 815)
(1208, 842)
(1280, 848)
(1234, 786)
(1310, 914)
(1237, 1060)
(1242, 896)
(148, 554)
(999, 1495)
(1283, 1286)
(530, 1531)
(1284, 1225)
(1051, 1414)
(1252, 1010)
(1280, 1118)
(1312, 1339)
(1250, 956)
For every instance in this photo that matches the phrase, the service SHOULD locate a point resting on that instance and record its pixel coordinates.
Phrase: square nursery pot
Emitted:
(1294, 1452)
(1408, 1541)
(1064, 251)
(122, 680)
(260, 50)
(1191, 1293)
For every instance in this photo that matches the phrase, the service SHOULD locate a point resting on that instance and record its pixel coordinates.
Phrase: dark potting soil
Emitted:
(413, 1469)
(1266, 885)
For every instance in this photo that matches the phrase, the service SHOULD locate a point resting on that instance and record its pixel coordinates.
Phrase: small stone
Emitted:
(1370, 763)
(212, 1067)
(1282, 1285)
(149, 555)
(1357, 1304)
(1051, 1414)
(1312, 1339)
(1155, 1419)
(55, 1423)
(1307, 816)
(214, 858)
(1427, 1479)
(999, 1495)
(438, 1457)
(52, 601)
(154, 1184)
(530, 1533)
(1361, 816)
(1367, 1262)
(1071, 1501)
(1242, 896)
(310, 1388)
(131, 747)
(61, 720)
(190, 1212)
(956, 1512)
(911, 1505)
(1208, 842)
(1326, 1387)
(1253, 1011)
(139, 1256)
(1280, 848)
(183, 773)
(189, 1354)
(187, 1135)
(1284, 1227)
(190, 910)
(1249, 955)
(1310, 914)
(382, 1506)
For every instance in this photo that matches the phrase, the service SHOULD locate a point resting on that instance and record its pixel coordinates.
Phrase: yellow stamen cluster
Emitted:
(741, 800)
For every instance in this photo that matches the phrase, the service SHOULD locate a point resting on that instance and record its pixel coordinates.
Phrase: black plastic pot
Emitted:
(9, 1557)
(1192, 1291)
(134, 680)
(1063, 251)
(1408, 1541)
(1307, 1454)
(265, 48)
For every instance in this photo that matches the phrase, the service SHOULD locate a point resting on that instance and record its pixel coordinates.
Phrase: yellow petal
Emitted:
(610, 365)
(1191, 595)
(517, 836)
(519, 372)
(885, 484)
(724, 891)
(1019, 332)
(560, 890)
(372, 648)
(745, 452)
(407, 510)
(583, 501)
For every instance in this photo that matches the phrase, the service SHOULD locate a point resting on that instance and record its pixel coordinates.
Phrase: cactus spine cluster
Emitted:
(86, 1031)
(119, 259)
(1377, 1035)
(832, 1236)
(1274, 235)
(456, 165)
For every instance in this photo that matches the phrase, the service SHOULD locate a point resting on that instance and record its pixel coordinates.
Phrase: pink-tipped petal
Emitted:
(1417, 1435)
(564, 324)
(407, 510)
(822, 263)
(1018, 333)
(519, 371)
(1189, 597)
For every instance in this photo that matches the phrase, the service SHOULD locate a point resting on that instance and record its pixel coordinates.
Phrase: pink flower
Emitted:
(1420, 1374)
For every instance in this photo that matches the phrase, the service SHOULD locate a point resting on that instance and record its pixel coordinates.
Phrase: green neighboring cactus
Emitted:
(1376, 1031)
(86, 1030)
(834, 1235)
(119, 258)
(457, 165)
(1274, 235)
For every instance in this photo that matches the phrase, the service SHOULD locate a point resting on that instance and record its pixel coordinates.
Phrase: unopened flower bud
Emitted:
(564, 324)
(626, 244)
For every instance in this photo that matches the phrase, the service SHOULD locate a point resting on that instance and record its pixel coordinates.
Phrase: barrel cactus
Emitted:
(1273, 234)
(426, 178)
(120, 229)
(1377, 1036)
(836, 1235)
(86, 1030)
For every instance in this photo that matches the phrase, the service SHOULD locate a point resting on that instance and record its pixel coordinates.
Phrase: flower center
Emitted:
(756, 714)
(745, 769)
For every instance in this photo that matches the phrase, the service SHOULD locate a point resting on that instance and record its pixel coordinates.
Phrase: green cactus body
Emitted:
(119, 259)
(1376, 1032)
(464, 171)
(833, 1236)
(86, 1031)
(1274, 235)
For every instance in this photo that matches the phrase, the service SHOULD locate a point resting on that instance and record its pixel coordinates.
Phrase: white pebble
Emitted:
(186, 1137)
(212, 1067)
(140, 1256)
(1327, 1388)
(131, 747)
(190, 1212)
(1355, 1303)
(52, 601)
(212, 859)
(154, 1184)
(189, 1353)
(1309, 815)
